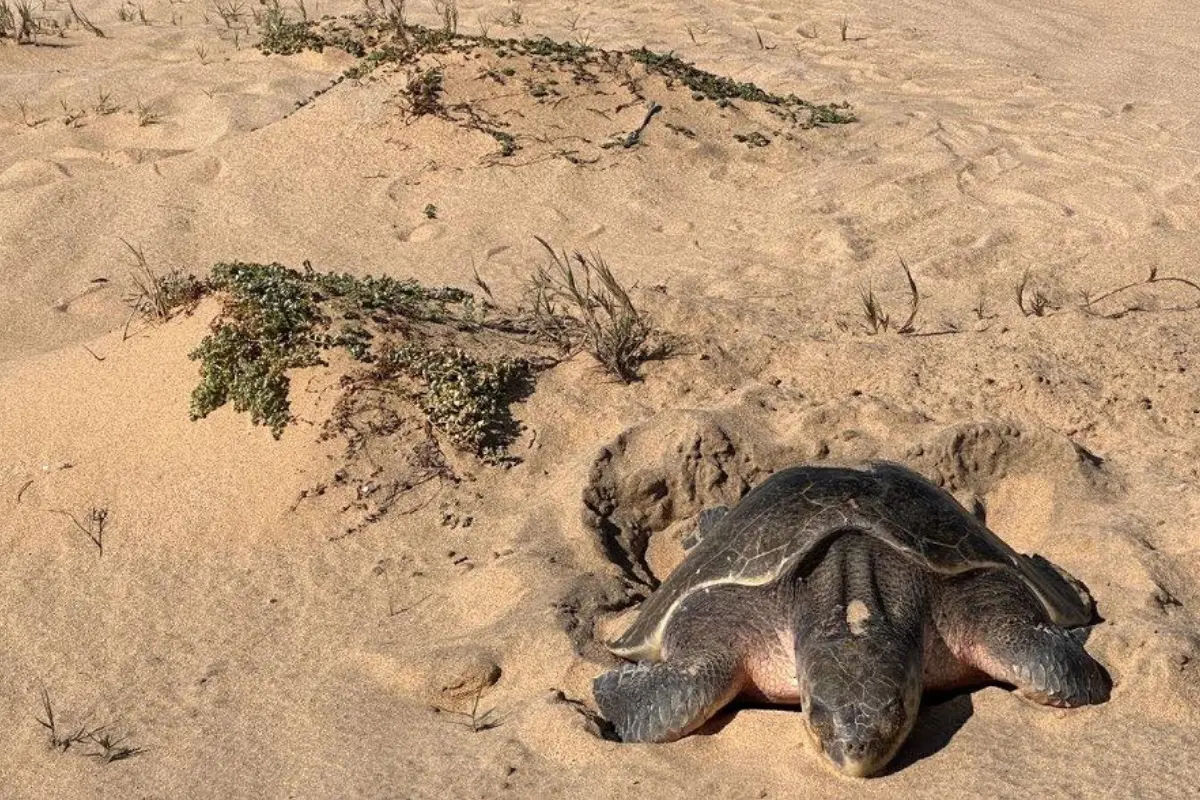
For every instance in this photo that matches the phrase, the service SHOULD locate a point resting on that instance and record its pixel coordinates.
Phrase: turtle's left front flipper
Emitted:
(661, 702)
(995, 624)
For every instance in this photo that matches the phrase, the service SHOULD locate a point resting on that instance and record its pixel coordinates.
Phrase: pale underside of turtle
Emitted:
(849, 592)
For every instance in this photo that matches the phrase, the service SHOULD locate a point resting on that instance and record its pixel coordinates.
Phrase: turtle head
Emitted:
(860, 700)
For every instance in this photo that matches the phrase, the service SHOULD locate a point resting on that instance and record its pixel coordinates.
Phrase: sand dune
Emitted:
(254, 634)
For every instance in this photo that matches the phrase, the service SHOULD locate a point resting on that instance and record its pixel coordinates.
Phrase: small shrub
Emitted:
(270, 323)
(275, 319)
(465, 397)
(230, 11)
(508, 143)
(19, 21)
(424, 92)
(1033, 300)
(281, 37)
(8, 21)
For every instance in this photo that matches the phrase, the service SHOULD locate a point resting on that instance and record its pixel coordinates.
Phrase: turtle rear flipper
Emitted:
(1069, 586)
(661, 702)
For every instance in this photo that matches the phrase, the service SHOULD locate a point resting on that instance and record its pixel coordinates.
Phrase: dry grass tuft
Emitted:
(109, 746)
(157, 297)
(878, 320)
(577, 299)
(1033, 300)
(86, 23)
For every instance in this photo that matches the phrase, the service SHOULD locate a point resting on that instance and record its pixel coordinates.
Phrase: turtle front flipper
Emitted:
(994, 623)
(661, 702)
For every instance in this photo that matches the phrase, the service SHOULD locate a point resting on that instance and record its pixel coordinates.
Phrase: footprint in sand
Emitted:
(425, 232)
(675, 227)
(464, 673)
(32, 172)
(447, 677)
(206, 170)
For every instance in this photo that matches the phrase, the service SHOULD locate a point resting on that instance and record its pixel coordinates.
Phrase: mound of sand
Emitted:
(254, 627)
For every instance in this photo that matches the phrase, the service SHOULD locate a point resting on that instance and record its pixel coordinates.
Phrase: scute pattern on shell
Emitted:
(792, 514)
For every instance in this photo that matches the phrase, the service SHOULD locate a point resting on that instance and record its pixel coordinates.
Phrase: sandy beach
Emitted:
(365, 606)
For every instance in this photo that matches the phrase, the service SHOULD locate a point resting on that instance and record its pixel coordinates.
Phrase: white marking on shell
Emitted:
(652, 644)
(857, 615)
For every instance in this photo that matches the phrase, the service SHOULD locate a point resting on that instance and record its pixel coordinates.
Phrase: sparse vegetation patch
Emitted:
(752, 139)
(470, 80)
(275, 319)
(286, 37)
(98, 742)
(270, 323)
(438, 366)
(723, 90)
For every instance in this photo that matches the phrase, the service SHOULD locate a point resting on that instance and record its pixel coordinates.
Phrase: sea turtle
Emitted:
(848, 591)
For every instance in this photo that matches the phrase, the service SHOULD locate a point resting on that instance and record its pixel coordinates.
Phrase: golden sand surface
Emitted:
(247, 648)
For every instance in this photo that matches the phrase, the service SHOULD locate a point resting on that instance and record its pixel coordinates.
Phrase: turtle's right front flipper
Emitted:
(661, 702)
